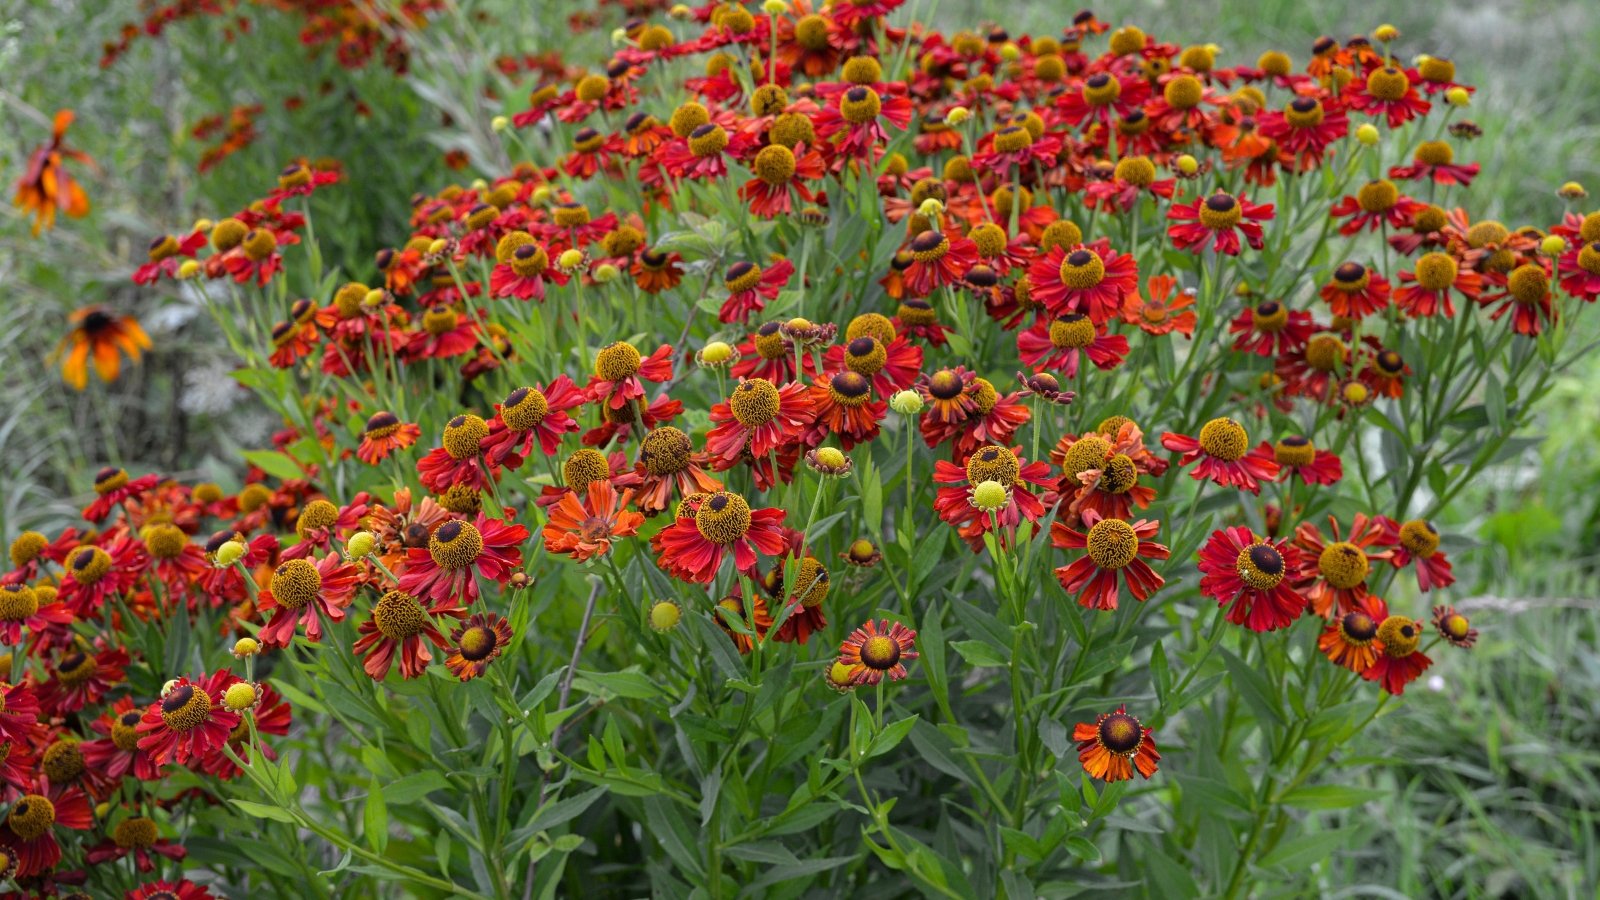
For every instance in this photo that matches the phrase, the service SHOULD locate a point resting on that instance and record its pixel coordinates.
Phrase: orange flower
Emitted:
(584, 528)
(45, 186)
(106, 336)
(1114, 744)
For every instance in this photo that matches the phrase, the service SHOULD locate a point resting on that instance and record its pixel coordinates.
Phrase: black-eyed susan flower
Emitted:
(1333, 574)
(1417, 541)
(139, 837)
(459, 458)
(304, 592)
(20, 607)
(1351, 638)
(1306, 127)
(751, 287)
(402, 626)
(478, 642)
(1425, 290)
(1224, 455)
(1219, 219)
(1388, 92)
(528, 416)
(843, 405)
(162, 889)
(757, 418)
(1454, 627)
(878, 650)
(584, 523)
(1296, 455)
(1252, 577)
(1400, 662)
(620, 372)
(103, 337)
(1524, 294)
(693, 546)
(959, 502)
(1356, 291)
(1060, 343)
(46, 187)
(30, 827)
(1114, 551)
(1269, 328)
(1114, 746)
(384, 434)
(458, 554)
(82, 675)
(189, 721)
(1091, 279)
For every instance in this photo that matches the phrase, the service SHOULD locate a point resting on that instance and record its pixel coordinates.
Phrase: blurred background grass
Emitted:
(1491, 765)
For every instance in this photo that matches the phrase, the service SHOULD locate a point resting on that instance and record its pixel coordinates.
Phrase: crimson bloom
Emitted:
(618, 368)
(458, 552)
(1220, 219)
(383, 435)
(751, 288)
(1091, 279)
(478, 642)
(1334, 573)
(758, 418)
(1401, 662)
(1356, 291)
(1250, 575)
(532, 415)
(1388, 92)
(189, 722)
(1114, 550)
(301, 592)
(1224, 454)
(1269, 328)
(1418, 541)
(29, 830)
(1425, 291)
(1057, 344)
(1296, 455)
(401, 626)
(693, 546)
(938, 260)
(878, 650)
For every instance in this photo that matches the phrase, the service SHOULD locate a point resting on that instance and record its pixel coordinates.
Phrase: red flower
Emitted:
(583, 525)
(459, 460)
(1525, 296)
(957, 502)
(758, 418)
(112, 487)
(385, 434)
(398, 625)
(878, 650)
(459, 552)
(780, 173)
(1378, 206)
(1223, 449)
(892, 366)
(29, 830)
(1296, 455)
(478, 642)
(523, 269)
(1336, 571)
(80, 678)
(1219, 218)
(751, 288)
(1269, 328)
(95, 575)
(1436, 160)
(618, 368)
(1091, 279)
(117, 753)
(692, 547)
(1253, 575)
(528, 415)
(19, 714)
(1306, 128)
(1388, 92)
(1114, 745)
(938, 260)
(189, 721)
(1418, 541)
(1113, 550)
(167, 253)
(167, 890)
(1351, 639)
(844, 406)
(1401, 662)
(1156, 314)
(302, 592)
(1579, 270)
(1425, 292)
(1356, 291)
(139, 836)
(1056, 344)
(20, 607)
(667, 461)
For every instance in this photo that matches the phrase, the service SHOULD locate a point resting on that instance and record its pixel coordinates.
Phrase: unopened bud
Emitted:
(229, 553)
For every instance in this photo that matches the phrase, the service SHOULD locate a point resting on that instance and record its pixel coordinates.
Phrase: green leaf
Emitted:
(264, 811)
(375, 817)
(1326, 796)
(1300, 852)
(979, 653)
(891, 736)
(631, 684)
(276, 464)
(564, 810)
(414, 787)
(1254, 688)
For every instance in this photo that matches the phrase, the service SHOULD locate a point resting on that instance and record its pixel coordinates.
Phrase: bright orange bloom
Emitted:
(584, 528)
(45, 187)
(1113, 745)
(106, 336)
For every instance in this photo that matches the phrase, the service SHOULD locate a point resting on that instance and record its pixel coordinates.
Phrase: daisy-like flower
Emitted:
(1525, 296)
(780, 174)
(1376, 206)
(383, 435)
(655, 271)
(1012, 146)
(1334, 573)
(1356, 291)
(458, 553)
(668, 465)
(478, 642)
(82, 677)
(1454, 627)
(1436, 160)
(892, 364)
(811, 587)
(1579, 270)
(1103, 98)
(1351, 639)
(113, 487)
(1401, 662)
(758, 418)
(1306, 127)
(136, 836)
(744, 632)
(1269, 328)
(618, 368)
(1058, 344)
(30, 826)
(301, 592)
(1091, 279)
(271, 715)
(916, 317)
(1113, 550)
(1297, 455)
(1132, 179)
(583, 524)
(1220, 219)
(878, 650)
(1224, 454)
(1251, 576)
(19, 714)
(854, 122)
(167, 253)
(751, 288)
(1425, 291)
(189, 722)
(693, 546)
(531, 415)
(523, 268)
(183, 889)
(844, 407)
(990, 493)
(45, 186)
(938, 260)
(459, 458)
(1156, 311)
(1114, 745)
(20, 608)
(117, 753)
(1388, 92)
(1418, 541)
(402, 626)
(445, 334)
(94, 574)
